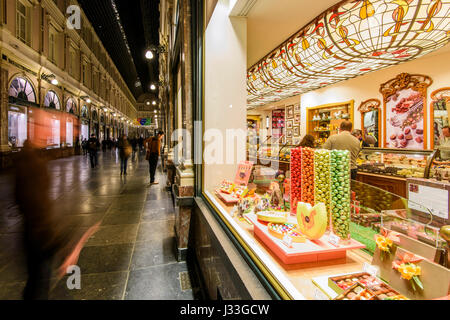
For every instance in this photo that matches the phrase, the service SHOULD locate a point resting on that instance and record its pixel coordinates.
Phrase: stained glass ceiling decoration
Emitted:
(350, 39)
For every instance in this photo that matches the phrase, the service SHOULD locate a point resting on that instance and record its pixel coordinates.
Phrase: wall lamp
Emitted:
(86, 98)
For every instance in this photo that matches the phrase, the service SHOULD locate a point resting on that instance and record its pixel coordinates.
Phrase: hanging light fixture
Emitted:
(346, 41)
(154, 103)
(153, 87)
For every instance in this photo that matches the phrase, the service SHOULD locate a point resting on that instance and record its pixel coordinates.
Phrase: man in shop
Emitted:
(445, 142)
(357, 133)
(153, 146)
(93, 146)
(345, 141)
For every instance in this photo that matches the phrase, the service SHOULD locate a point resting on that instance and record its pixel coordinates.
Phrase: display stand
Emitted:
(309, 251)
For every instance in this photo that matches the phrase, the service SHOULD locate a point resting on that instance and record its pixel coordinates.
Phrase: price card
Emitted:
(370, 269)
(334, 239)
(287, 240)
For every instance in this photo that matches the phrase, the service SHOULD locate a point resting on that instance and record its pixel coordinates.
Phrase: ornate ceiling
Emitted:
(350, 39)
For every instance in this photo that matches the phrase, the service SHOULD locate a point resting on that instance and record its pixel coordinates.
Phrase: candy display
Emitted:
(312, 221)
(322, 191)
(340, 193)
(296, 178)
(280, 230)
(307, 176)
(227, 187)
(343, 283)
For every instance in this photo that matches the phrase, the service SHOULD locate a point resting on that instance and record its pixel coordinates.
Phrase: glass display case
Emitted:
(394, 162)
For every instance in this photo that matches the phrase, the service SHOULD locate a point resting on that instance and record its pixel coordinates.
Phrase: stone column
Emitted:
(184, 183)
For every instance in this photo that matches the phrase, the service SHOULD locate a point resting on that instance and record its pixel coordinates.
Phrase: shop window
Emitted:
(84, 132)
(54, 140)
(69, 133)
(22, 22)
(22, 89)
(17, 126)
(71, 106)
(51, 100)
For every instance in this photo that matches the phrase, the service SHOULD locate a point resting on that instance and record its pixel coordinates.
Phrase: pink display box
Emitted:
(309, 251)
(226, 198)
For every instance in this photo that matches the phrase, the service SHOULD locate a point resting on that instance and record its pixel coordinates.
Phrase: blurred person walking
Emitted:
(124, 153)
(153, 146)
(93, 146)
(44, 232)
(134, 143)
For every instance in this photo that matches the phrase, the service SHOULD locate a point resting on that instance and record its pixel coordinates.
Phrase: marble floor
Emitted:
(131, 256)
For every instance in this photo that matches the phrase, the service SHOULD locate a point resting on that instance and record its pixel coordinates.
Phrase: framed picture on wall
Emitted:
(289, 124)
(297, 108)
(289, 133)
(289, 112)
(296, 131)
(405, 111)
(297, 119)
(296, 141)
(289, 141)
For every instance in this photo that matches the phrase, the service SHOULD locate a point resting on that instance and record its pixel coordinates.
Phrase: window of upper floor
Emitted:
(52, 44)
(23, 22)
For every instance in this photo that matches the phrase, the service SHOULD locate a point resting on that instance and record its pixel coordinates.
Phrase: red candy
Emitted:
(296, 181)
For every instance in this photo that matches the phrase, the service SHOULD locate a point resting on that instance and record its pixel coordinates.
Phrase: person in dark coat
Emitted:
(93, 146)
(45, 233)
(124, 153)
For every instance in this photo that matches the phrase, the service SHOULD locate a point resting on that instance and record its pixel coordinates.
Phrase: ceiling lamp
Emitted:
(148, 103)
(346, 41)
(153, 87)
(149, 55)
(154, 103)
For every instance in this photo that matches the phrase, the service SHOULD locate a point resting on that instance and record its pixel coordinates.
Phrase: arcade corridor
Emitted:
(131, 255)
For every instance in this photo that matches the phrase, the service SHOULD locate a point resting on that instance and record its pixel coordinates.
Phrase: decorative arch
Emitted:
(22, 88)
(71, 106)
(52, 101)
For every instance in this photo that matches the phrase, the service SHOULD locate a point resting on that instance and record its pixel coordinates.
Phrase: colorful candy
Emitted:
(307, 177)
(340, 193)
(322, 191)
(296, 178)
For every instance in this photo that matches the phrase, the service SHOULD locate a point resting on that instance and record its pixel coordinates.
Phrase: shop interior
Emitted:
(311, 230)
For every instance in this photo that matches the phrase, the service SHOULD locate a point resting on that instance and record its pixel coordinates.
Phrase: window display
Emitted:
(69, 133)
(17, 126)
(311, 231)
(54, 139)
(440, 117)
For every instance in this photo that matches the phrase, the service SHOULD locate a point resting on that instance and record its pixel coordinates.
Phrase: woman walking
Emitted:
(124, 153)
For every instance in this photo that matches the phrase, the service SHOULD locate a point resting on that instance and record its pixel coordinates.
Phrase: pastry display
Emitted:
(312, 221)
(322, 191)
(280, 230)
(340, 193)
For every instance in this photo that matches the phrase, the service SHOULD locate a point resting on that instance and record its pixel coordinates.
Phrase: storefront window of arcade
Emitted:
(51, 126)
(312, 231)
